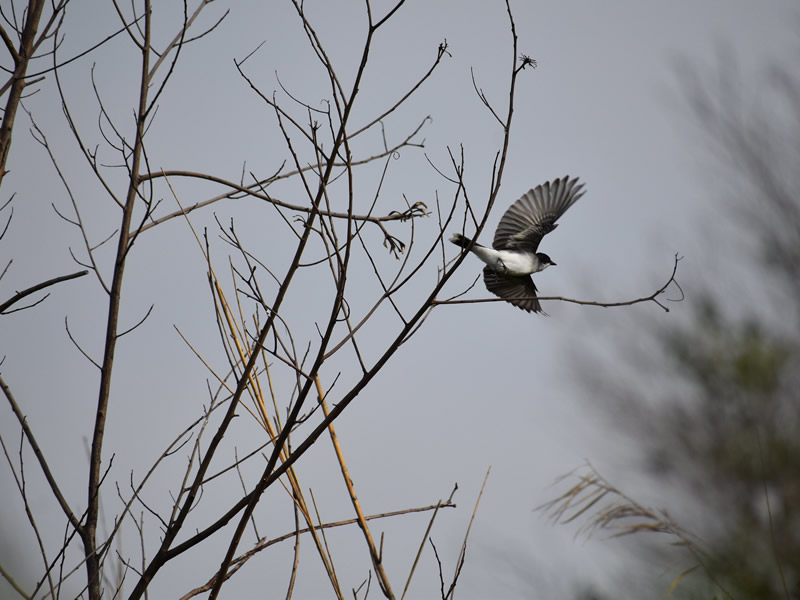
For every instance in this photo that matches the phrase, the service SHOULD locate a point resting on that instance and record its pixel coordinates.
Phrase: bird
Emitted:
(513, 256)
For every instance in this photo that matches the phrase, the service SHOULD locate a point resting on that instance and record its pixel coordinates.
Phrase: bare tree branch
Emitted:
(262, 544)
(35, 288)
(651, 298)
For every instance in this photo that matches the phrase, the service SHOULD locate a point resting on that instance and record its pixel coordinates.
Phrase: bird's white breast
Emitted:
(508, 262)
(519, 263)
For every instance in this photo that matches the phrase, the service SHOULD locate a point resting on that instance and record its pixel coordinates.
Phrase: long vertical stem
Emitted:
(123, 245)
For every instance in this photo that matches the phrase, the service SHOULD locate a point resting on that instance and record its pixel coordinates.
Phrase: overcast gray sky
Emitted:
(481, 384)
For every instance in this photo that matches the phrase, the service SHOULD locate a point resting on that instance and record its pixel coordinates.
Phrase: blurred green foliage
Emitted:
(738, 438)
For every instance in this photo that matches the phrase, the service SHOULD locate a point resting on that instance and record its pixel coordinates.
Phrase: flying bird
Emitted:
(513, 255)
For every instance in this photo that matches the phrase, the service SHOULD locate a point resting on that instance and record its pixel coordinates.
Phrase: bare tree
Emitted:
(293, 372)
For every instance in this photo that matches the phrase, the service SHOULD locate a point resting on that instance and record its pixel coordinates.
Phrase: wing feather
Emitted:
(534, 215)
(519, 291)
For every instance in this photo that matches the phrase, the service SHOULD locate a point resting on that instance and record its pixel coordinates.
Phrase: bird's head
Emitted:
(544, 260)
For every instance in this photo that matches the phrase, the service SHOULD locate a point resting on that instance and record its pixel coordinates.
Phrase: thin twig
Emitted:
(40, 456)
(463, 552)
(425, 538)
(263, 544)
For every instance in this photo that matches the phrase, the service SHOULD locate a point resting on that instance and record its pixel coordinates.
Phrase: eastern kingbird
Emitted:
(513, 256)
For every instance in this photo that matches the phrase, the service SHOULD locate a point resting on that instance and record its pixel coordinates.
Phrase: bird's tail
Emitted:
(460, 240)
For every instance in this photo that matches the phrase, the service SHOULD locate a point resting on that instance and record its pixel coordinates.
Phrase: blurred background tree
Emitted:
(737, 434)
(717, 418)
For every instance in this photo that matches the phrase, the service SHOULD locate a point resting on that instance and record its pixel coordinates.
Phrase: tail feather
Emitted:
(460, 240)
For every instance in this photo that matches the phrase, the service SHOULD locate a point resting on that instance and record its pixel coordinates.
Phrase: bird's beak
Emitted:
(553, 264)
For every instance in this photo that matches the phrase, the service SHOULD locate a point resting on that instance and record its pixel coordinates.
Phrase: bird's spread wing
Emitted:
(519, 291)
(534, 215)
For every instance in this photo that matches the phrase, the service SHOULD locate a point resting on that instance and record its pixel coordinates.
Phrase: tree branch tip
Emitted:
(527, 61)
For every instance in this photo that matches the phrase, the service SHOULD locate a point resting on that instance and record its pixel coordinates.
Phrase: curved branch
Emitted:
(239, 561)
(142, 320)
(74, 58)
(39, 286)
(250, 190)
(651, 298)
(483, 99)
